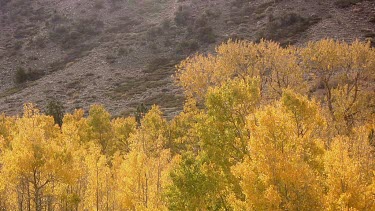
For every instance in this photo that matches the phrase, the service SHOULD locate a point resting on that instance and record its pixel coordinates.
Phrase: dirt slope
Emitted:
(122, 53)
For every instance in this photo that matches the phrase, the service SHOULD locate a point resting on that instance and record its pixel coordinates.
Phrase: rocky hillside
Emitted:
(122, 53)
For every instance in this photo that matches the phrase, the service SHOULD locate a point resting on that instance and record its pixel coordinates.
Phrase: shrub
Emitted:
(154, 32)
(182, 16)
(201, 30)
(99, 5)
(20, 76)
(187, 46)
(166, 24)
(201, 21)
(56, 18)
(346, 3)
(55, 109)
(212, 13)
(40, 42)
(284, 27)
(239, 3)
(72, 35)
(206, 35)
(158, 63)
(24, 32)
(18, 45)
(111, 58)
(123, 51)
(23, 75)
(4, 2)
(33, 58)
(141, 111)
(88, 26)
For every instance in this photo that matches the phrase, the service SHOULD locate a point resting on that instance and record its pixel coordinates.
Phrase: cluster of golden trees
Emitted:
(263, 128)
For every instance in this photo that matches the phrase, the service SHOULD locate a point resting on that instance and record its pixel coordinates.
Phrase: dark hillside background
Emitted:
(122, 53)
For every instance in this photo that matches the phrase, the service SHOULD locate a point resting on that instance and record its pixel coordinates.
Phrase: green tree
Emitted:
(55, 109)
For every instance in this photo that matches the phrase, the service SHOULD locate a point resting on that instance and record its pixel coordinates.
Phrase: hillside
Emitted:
(121, 53)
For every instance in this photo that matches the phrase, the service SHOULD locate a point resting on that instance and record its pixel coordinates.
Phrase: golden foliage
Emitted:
(263, 128)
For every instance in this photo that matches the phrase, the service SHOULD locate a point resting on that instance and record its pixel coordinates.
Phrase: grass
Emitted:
(136, 86)
(166, 100)
(157, 75)
(160, 64)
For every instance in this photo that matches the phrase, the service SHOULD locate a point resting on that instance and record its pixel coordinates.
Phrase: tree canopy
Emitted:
(263, 128)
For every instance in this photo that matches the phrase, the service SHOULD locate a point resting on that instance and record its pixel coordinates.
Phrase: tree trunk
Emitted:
(28, 197)
(97, 187)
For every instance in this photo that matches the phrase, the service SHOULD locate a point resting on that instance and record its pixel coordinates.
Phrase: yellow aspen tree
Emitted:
(349, 166)
(75, 127)
(221, 142)
(223, 132)
(183, 128)
(194, 186)
(122, 128)
(144, 181)
(280, 70)
(152, 134)
(99, 121)
(284, 165)
(146, 164)
(275, 67)
(73, 140)
(345, 71)
(97, 175)
(6, 126)
(195, 75)
(30, 163)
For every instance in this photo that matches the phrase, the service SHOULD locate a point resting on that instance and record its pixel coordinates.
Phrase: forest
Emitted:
(264, 127)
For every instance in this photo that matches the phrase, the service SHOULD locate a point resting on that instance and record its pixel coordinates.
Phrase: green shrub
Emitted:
(201, 31)
(23, 75)
(284, 27)
(141, 111)
(20, 76)
(158, 63)
(206, 35)
(55, 109)
(187, 47)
